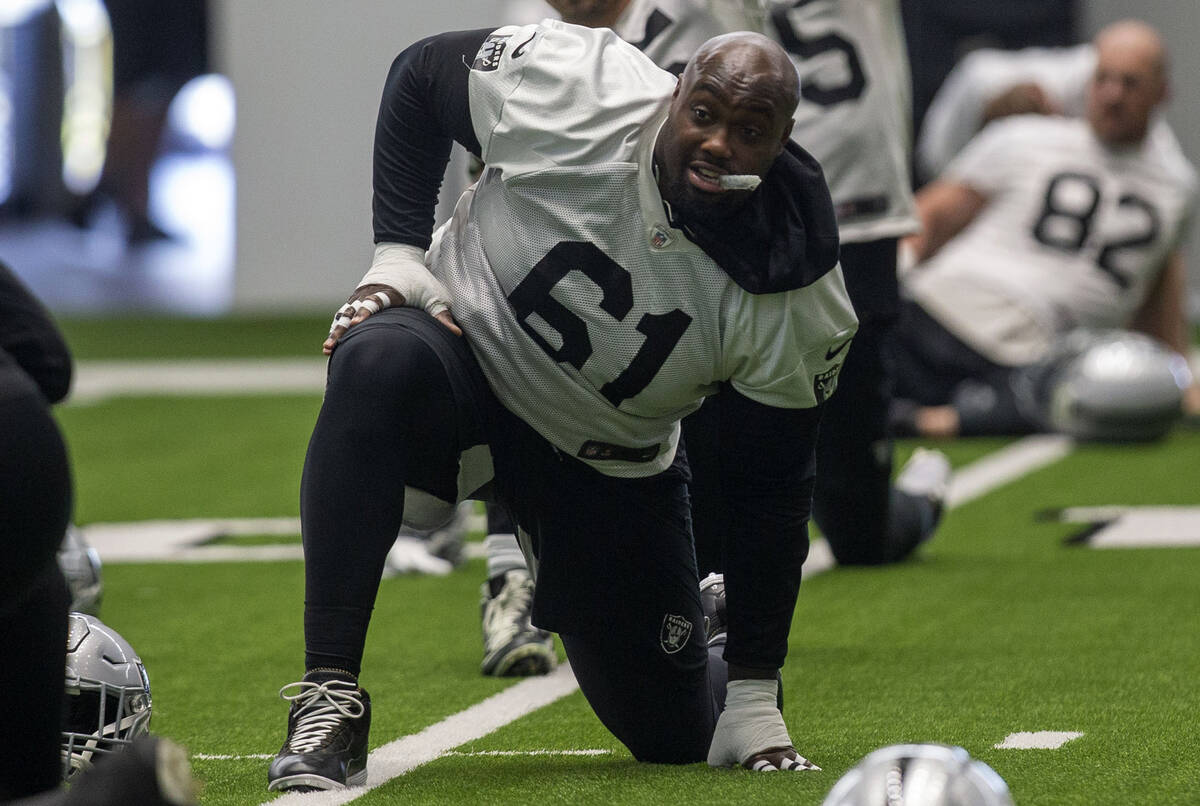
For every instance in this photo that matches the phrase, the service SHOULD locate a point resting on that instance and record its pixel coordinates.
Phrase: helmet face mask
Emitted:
(919, 775)
(108, 694)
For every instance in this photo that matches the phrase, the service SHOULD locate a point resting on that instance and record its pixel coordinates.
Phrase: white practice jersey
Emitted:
(667, 31)
(1073, 234)
(622, 325)
(855, 111)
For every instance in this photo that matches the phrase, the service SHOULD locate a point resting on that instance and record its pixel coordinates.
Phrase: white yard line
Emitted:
(1007, 464)
(398, 757)
(1138, 527)
(96, 381)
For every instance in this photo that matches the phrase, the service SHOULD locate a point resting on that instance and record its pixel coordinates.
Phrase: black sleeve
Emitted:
(767, 468)
(425, 107)
(28, 334)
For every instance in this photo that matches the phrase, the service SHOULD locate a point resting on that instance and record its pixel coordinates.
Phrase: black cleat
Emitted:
(512, 646)
(328, 726)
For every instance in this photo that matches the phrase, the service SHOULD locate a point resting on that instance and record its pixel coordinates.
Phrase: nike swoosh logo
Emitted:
(519, 50)
(831, 353)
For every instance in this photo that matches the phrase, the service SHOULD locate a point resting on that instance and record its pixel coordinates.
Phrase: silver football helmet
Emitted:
(919, 775)
(108, 693)
(1114, 386)
(80, 564)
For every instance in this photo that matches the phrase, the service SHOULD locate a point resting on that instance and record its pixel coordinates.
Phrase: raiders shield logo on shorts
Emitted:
(675, 632)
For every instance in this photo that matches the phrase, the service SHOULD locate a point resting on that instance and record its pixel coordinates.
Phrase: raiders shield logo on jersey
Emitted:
(488, 57)
(675, 632)
(825, 384)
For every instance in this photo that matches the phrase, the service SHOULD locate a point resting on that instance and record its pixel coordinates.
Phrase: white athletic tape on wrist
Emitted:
(402, 267)
(750, 723)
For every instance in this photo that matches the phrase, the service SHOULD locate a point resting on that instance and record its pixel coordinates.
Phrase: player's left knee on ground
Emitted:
(659, 707)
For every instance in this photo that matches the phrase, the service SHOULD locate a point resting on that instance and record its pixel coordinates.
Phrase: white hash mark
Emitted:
(1037, 740)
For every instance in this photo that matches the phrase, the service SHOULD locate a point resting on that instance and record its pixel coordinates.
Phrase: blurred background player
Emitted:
(1041, 225)
(989, 84)
(940, 32)
(157, 48)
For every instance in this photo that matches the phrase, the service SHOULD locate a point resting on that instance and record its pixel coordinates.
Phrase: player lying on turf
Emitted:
(605, 282)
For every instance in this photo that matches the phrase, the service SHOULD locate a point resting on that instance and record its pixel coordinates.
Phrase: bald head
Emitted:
(751, 60)
(1130, 81)
(1136, 40)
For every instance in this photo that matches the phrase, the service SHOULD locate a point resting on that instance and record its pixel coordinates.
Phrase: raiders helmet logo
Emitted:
(675, 632)
(488, 57)
(825, 383)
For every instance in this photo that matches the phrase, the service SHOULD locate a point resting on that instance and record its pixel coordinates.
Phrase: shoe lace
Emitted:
(322, 708)
(507, 615)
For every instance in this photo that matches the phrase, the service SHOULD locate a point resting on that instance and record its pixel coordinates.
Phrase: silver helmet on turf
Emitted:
(108, 693)
(1113, 386)
(80, 564)
(919, 775)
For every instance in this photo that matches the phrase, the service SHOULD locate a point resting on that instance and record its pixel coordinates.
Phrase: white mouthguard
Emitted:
(739, 181)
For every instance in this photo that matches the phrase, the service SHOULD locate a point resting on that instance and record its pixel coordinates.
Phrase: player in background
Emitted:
(1041, 225)
(989, 84)
(611, 268)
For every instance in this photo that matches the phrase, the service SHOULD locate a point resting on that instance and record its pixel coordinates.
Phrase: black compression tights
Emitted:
(387, 418)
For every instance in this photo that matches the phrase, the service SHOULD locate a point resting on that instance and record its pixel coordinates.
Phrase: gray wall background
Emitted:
(308, 76)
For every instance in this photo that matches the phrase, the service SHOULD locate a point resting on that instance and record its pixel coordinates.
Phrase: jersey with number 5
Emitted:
(1073, 234)
(594, 319)
(855, 107)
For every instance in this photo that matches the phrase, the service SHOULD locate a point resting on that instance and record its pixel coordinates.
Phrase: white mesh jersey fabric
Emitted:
(1074, 234)
(594, 320)
(854, 114)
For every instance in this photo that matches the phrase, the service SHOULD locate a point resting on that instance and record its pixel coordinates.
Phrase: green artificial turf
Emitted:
(147, 337)
(188, 457)
(1000, 625)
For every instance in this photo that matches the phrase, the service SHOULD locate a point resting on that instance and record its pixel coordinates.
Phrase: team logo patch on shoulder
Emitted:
(488, 57)
(825, 383)
(676, 630)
